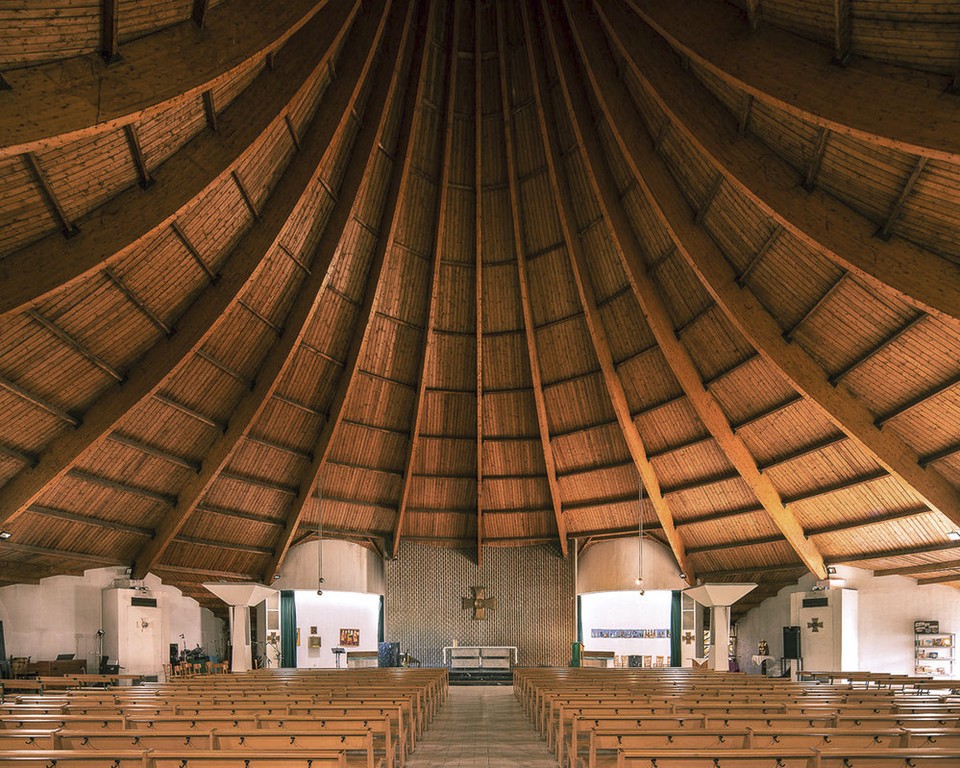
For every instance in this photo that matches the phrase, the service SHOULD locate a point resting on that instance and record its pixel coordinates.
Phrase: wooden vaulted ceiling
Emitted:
(466, 271)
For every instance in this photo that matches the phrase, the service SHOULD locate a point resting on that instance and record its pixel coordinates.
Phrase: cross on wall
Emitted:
(815, 626)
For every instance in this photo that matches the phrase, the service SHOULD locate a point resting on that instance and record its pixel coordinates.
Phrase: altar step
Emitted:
(481, 677)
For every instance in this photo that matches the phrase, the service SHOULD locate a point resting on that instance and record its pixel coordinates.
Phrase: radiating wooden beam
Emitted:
(915, 402)
(75, 345)
(600, 71)
(440, 217)
(528, 322)
(390, 221)
(842, 32)
(756, 324)
(202, 318)
(478, 260)
(109, 30)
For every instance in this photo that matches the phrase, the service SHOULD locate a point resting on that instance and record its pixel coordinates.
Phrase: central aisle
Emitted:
(481, 726)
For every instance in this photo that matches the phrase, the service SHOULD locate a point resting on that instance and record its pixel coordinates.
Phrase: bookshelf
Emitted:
(935, 653)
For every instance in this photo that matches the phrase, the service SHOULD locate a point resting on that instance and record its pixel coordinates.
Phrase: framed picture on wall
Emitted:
(349, 637)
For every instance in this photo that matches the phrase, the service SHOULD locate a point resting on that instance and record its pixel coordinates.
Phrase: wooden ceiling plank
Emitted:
(403, 158)
(829, 227)
(428, 347)
(886, 231)
(228, 545)
(35, 272)
(40, 402)
(116, 485)
(752, 320)
(206, 314)
(943, 453)
(648, 297)
(238, 514)
(914, 402)
(533, 355)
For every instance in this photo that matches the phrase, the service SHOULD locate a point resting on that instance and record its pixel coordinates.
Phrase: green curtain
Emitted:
(579, 619)
(675, 629)
(380, 622)
(288, 629)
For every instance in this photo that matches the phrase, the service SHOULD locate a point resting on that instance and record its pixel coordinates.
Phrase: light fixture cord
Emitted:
(319, 536)
(640, 527)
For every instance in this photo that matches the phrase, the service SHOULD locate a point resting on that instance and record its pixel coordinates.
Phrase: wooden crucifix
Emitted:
(478, 602)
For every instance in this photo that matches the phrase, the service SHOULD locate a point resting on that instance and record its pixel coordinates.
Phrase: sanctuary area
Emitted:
(479, 382)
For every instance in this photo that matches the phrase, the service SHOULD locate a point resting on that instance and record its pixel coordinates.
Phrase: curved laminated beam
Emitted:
(588, 300)
(51, 104)
(589, 37)
(528, 322)
(879, 104)
(747, 314)
(356, 73)
(415, 73)
(53, 263)
(818, 220)
(429, 340)
(202, 318)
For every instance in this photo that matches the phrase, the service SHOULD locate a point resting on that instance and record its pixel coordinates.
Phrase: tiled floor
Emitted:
(481, 726)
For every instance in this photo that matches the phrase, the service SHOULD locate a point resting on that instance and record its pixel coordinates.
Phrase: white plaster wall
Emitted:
(330, 613)
(347, 567)
(627, 610)
(62, 614)
(610, 566)
(888, 606)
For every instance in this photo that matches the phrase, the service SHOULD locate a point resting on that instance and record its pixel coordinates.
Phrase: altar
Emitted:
(480, 656)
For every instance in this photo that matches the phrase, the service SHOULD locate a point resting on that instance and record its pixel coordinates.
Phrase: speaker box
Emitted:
(174, 653)
(791, 642)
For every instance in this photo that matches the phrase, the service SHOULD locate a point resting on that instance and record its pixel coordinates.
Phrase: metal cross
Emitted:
(478, 602)
(688, 637)
(815, 626)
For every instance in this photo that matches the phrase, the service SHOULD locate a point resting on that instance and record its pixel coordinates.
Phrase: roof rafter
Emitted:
(429, 339)
(528, 321)
(389, 221)
(756, 324)
(588, 300)
(201, 319)
(347, 91)
(652, 306)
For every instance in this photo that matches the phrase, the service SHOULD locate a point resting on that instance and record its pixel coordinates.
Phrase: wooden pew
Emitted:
(88, 758)
(790, 758)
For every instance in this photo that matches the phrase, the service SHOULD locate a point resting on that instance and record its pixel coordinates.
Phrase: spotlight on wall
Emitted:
(5, 535)
(831, 570)
(952, 535)
(682, 575)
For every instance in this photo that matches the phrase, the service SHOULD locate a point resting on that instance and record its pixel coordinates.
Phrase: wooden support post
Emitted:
(109, 31)
(842, 32)
(813, 166)
(133, 140)
(69, 228)
(200, 12)
(886, 231)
